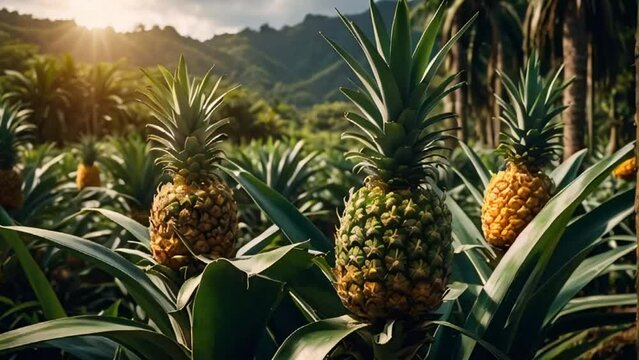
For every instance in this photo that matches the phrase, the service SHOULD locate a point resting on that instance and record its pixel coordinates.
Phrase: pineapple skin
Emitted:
(393, 252)
(204, 214)
(11, 197)
(627, 170)
(87, 175)
(513, 197)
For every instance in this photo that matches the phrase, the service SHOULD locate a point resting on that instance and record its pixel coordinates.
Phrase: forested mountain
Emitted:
(293, 63)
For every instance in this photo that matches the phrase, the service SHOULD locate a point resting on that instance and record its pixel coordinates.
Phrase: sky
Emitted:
(200, 19)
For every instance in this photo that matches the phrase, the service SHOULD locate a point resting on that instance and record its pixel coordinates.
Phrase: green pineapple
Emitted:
(196, 206)
(393, 246)
(14, 133)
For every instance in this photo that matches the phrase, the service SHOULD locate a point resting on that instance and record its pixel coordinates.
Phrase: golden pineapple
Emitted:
(196, 207)
(514, 196)
(14, 133)
(393, 246)
(627, 170)
(88, 173)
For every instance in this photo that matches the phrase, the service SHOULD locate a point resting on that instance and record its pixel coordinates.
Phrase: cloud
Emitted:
(200, 19)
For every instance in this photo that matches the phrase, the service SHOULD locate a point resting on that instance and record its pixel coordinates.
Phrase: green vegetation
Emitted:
(448, 203)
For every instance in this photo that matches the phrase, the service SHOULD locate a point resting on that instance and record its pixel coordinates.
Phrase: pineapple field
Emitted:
(443, 180)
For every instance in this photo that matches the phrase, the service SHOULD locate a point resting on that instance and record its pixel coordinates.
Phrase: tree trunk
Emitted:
(590, 102)
(459, 64)
(497, 87)
(575, 51)
(613, 142)
(637, 183)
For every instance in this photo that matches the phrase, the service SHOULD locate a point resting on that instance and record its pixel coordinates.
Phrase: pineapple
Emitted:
(393, 245)
(88, 173)
(627, 170)
(196, 207)
(14, 132)
(530, 141)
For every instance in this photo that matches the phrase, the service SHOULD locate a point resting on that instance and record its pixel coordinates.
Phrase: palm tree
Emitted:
(39, 89)
(107, 95)
(585, 33)
(495, 36)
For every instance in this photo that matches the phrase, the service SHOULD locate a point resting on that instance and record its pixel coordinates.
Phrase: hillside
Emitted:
(293, 63)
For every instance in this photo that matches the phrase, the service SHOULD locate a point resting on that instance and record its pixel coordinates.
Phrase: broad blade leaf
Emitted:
(230, 312)
(315, 341)
(136, 337)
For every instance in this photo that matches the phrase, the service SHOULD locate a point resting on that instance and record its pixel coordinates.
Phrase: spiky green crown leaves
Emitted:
(186, 135)
(531, 133)
(134, 169)
(88, 149)
(15, 132)
(396, 98)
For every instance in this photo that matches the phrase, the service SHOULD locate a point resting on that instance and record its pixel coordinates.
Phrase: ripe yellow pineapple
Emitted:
(196, 207)
(14, 132)
(88, 173)
(627, 170)
(393, 246)
(530, 140)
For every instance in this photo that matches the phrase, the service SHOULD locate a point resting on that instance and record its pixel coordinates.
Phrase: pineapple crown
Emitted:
(186, 137)
(15, 131)
(88, 149)
(531, 135)
(401, 144)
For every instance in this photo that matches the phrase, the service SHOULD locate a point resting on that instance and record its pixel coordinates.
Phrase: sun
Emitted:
(96, 14)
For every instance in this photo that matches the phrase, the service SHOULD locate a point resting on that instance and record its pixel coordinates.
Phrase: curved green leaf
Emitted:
(598, 301)
(259, 242)
(154, 302)
(474, 192)
(50, 303)
(281, 212)
(315, 341)
(585, 273)
(568, 170)
(136, 229)
(136, 337)
(230, 311)
(465, 233)
(479, 166)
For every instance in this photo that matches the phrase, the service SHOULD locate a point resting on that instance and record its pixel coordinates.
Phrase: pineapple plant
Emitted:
(88, 173)
(529, 142)
(135, 174)
(14, 133)
(393, 244)
(196, 207)
(627, 170)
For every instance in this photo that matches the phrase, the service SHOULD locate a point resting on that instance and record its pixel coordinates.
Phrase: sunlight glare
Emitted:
(97, 14)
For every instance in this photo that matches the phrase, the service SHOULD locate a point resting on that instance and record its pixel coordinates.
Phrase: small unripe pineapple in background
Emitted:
(393, 246)
(529, 142)
(196, 206)
(88, 172)
(14, 134)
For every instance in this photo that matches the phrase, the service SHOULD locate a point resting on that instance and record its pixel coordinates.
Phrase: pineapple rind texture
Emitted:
(11, 189)
(627, 170)
(513, 197)
(393, 252)
(87, 175)
(203, 214)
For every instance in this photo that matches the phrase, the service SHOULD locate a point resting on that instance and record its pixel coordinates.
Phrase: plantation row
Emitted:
(181, 246)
